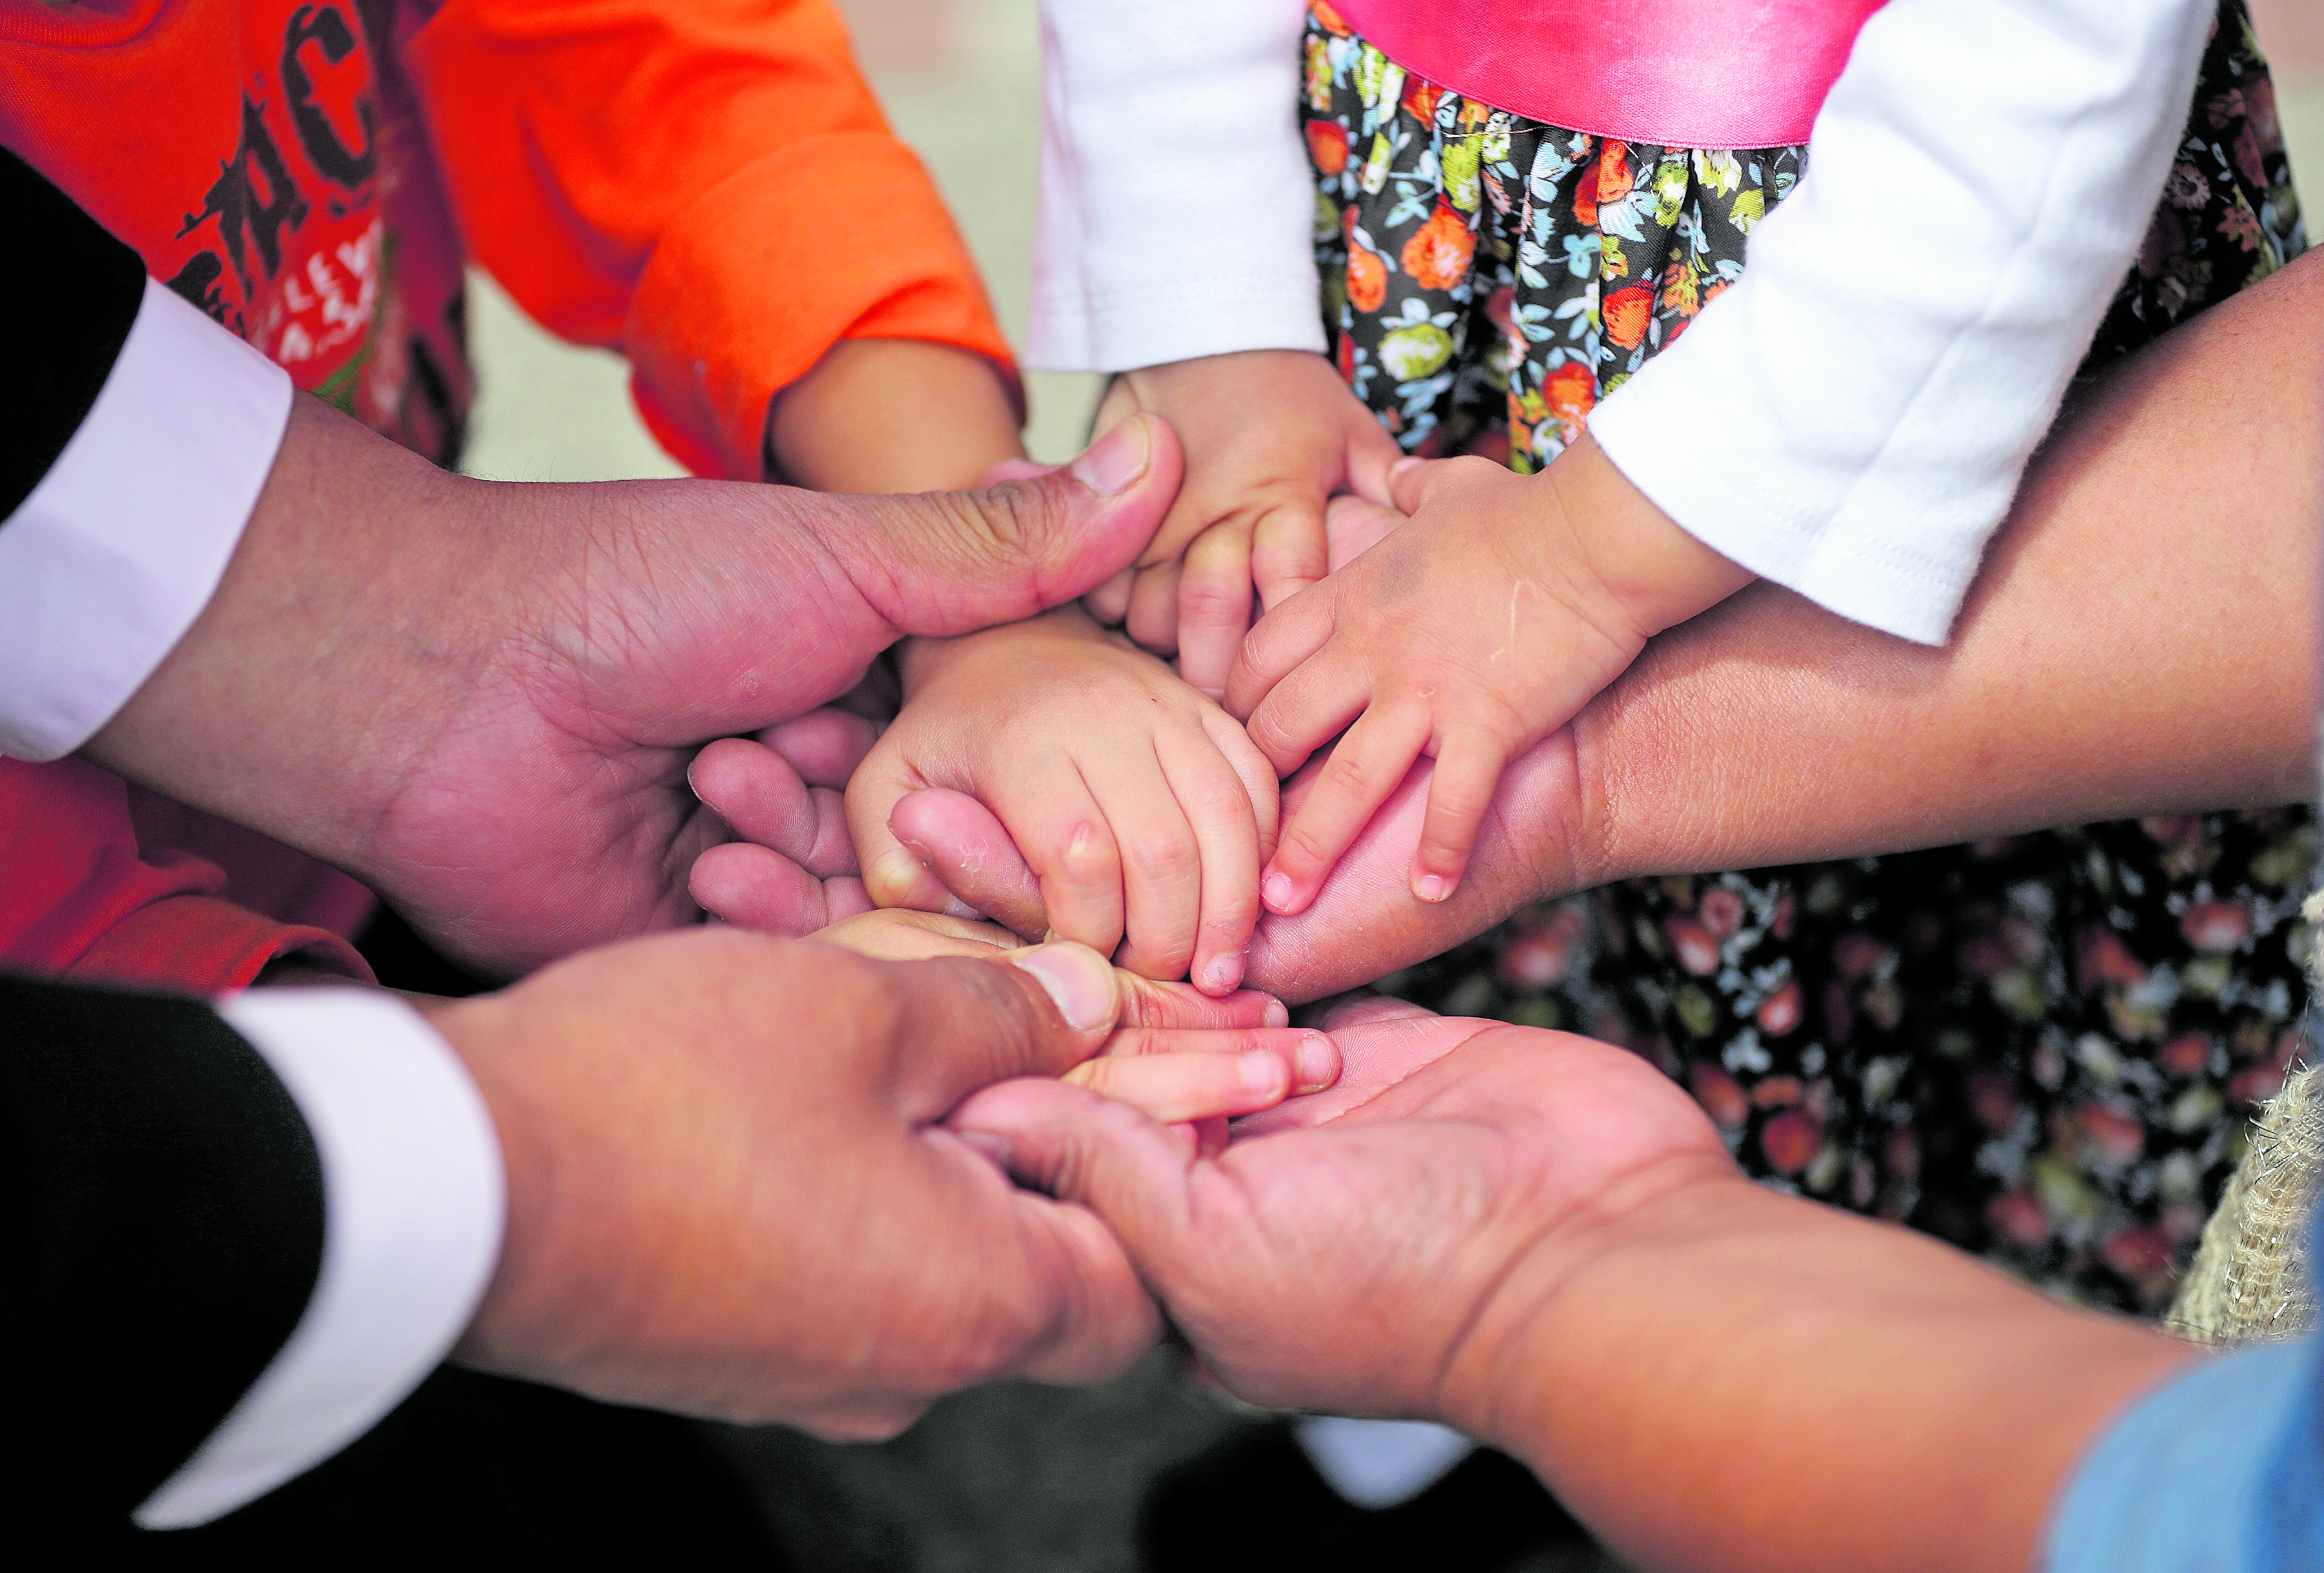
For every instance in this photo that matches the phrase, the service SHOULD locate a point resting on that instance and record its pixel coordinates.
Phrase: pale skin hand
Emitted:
(730, 1192)
(1177, 1054)
(1497, 610)
(2118, 657)
(482, 698)
(893, 415)
(2141, 641)
(1138, 805)
(1540, 1240)
(1270, 436)
(873, 415)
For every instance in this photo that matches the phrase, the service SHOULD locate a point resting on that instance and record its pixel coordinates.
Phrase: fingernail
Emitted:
(1432, 887)
(1076, 978)
(1401, 466)
(1261, 1072)
(1222, 974)
(1318, 1061)
(1110, 465)
(1277, 1014)
(995, 1147)
(1277, 893)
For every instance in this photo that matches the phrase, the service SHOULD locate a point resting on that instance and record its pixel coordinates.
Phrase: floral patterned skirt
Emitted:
(2043, 1049)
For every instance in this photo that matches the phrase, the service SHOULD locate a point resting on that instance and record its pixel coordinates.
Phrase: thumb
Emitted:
(963, 1022)
(952, 562)
(1078, 1146)
(1411, 480)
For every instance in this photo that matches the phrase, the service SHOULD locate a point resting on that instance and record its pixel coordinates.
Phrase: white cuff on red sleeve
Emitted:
(117, 550)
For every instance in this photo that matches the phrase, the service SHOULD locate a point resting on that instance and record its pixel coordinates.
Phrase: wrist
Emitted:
(1724, 1352)
(485, 1033)
(920, 661)
(893, 415)
(1503, 1382)
(330, 656)
(1657, 572)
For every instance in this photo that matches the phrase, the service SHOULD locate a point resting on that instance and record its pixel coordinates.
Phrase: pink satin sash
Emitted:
(1685, 73)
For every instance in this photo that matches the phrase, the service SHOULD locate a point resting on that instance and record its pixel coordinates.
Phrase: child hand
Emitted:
(1471, 631)
(1178, 1055)
(1140, 808)
(1268, 436)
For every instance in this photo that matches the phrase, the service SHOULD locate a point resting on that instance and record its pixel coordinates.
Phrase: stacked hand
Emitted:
(1475, 628)
(1270, 436)
(731, 1193)
(514, 680)
(1383, 1248)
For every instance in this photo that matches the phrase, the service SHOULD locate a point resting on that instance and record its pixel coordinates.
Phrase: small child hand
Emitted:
(1268, 436)
(1472, 630)
(1179, 1056)
(1140, 808)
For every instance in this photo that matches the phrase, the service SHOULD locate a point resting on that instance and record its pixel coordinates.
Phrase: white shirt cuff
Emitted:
(413, 1198)
(117, 550)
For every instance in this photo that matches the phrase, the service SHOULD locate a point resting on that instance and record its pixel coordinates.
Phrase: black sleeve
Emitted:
(163, 1230)
(68, 292)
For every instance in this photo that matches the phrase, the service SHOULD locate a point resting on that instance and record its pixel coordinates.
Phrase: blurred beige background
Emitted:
(961, 80)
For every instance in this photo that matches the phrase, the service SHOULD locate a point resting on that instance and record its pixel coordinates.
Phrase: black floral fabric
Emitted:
(2043, 1049)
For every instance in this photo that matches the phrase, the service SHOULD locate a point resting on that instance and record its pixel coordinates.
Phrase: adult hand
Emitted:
(1179, 1054)
(1540, 1240)
(483, 699)
(730, 1191)
(1358, 1251)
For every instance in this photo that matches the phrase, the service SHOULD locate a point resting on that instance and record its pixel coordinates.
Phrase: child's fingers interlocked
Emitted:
(1214, 605)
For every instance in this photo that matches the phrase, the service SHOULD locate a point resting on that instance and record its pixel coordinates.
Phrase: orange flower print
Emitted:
(1571, 389)
(1421, 99)
(1627, 313)
(1437, 255)
(1681, 295)
(1615, 176)
(1367, 280)
(1327, 145)
(1327, 19)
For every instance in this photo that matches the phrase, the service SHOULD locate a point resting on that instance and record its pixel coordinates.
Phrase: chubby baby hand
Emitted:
(1469, 632)
(1139, 806)
(1269, 435)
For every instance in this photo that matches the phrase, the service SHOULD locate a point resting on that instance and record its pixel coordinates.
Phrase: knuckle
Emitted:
(1304, 847)
(1213, 601)
(1349, 771)
(1165, 863)
(1086, 855)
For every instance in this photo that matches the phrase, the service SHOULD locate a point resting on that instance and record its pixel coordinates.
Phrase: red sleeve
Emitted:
(707, 186)
(78, 898)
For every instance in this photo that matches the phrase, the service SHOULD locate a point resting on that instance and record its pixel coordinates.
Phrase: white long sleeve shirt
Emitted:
(103, 567)
(1851, 420)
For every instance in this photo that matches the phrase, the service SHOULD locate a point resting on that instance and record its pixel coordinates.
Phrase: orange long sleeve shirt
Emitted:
(707, 186)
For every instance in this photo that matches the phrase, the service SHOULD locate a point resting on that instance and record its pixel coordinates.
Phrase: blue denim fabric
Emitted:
(2219, 1471)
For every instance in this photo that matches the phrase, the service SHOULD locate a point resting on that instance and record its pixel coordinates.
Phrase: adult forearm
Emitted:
(2141, 641)
(1751, 1381)
(323, 662)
